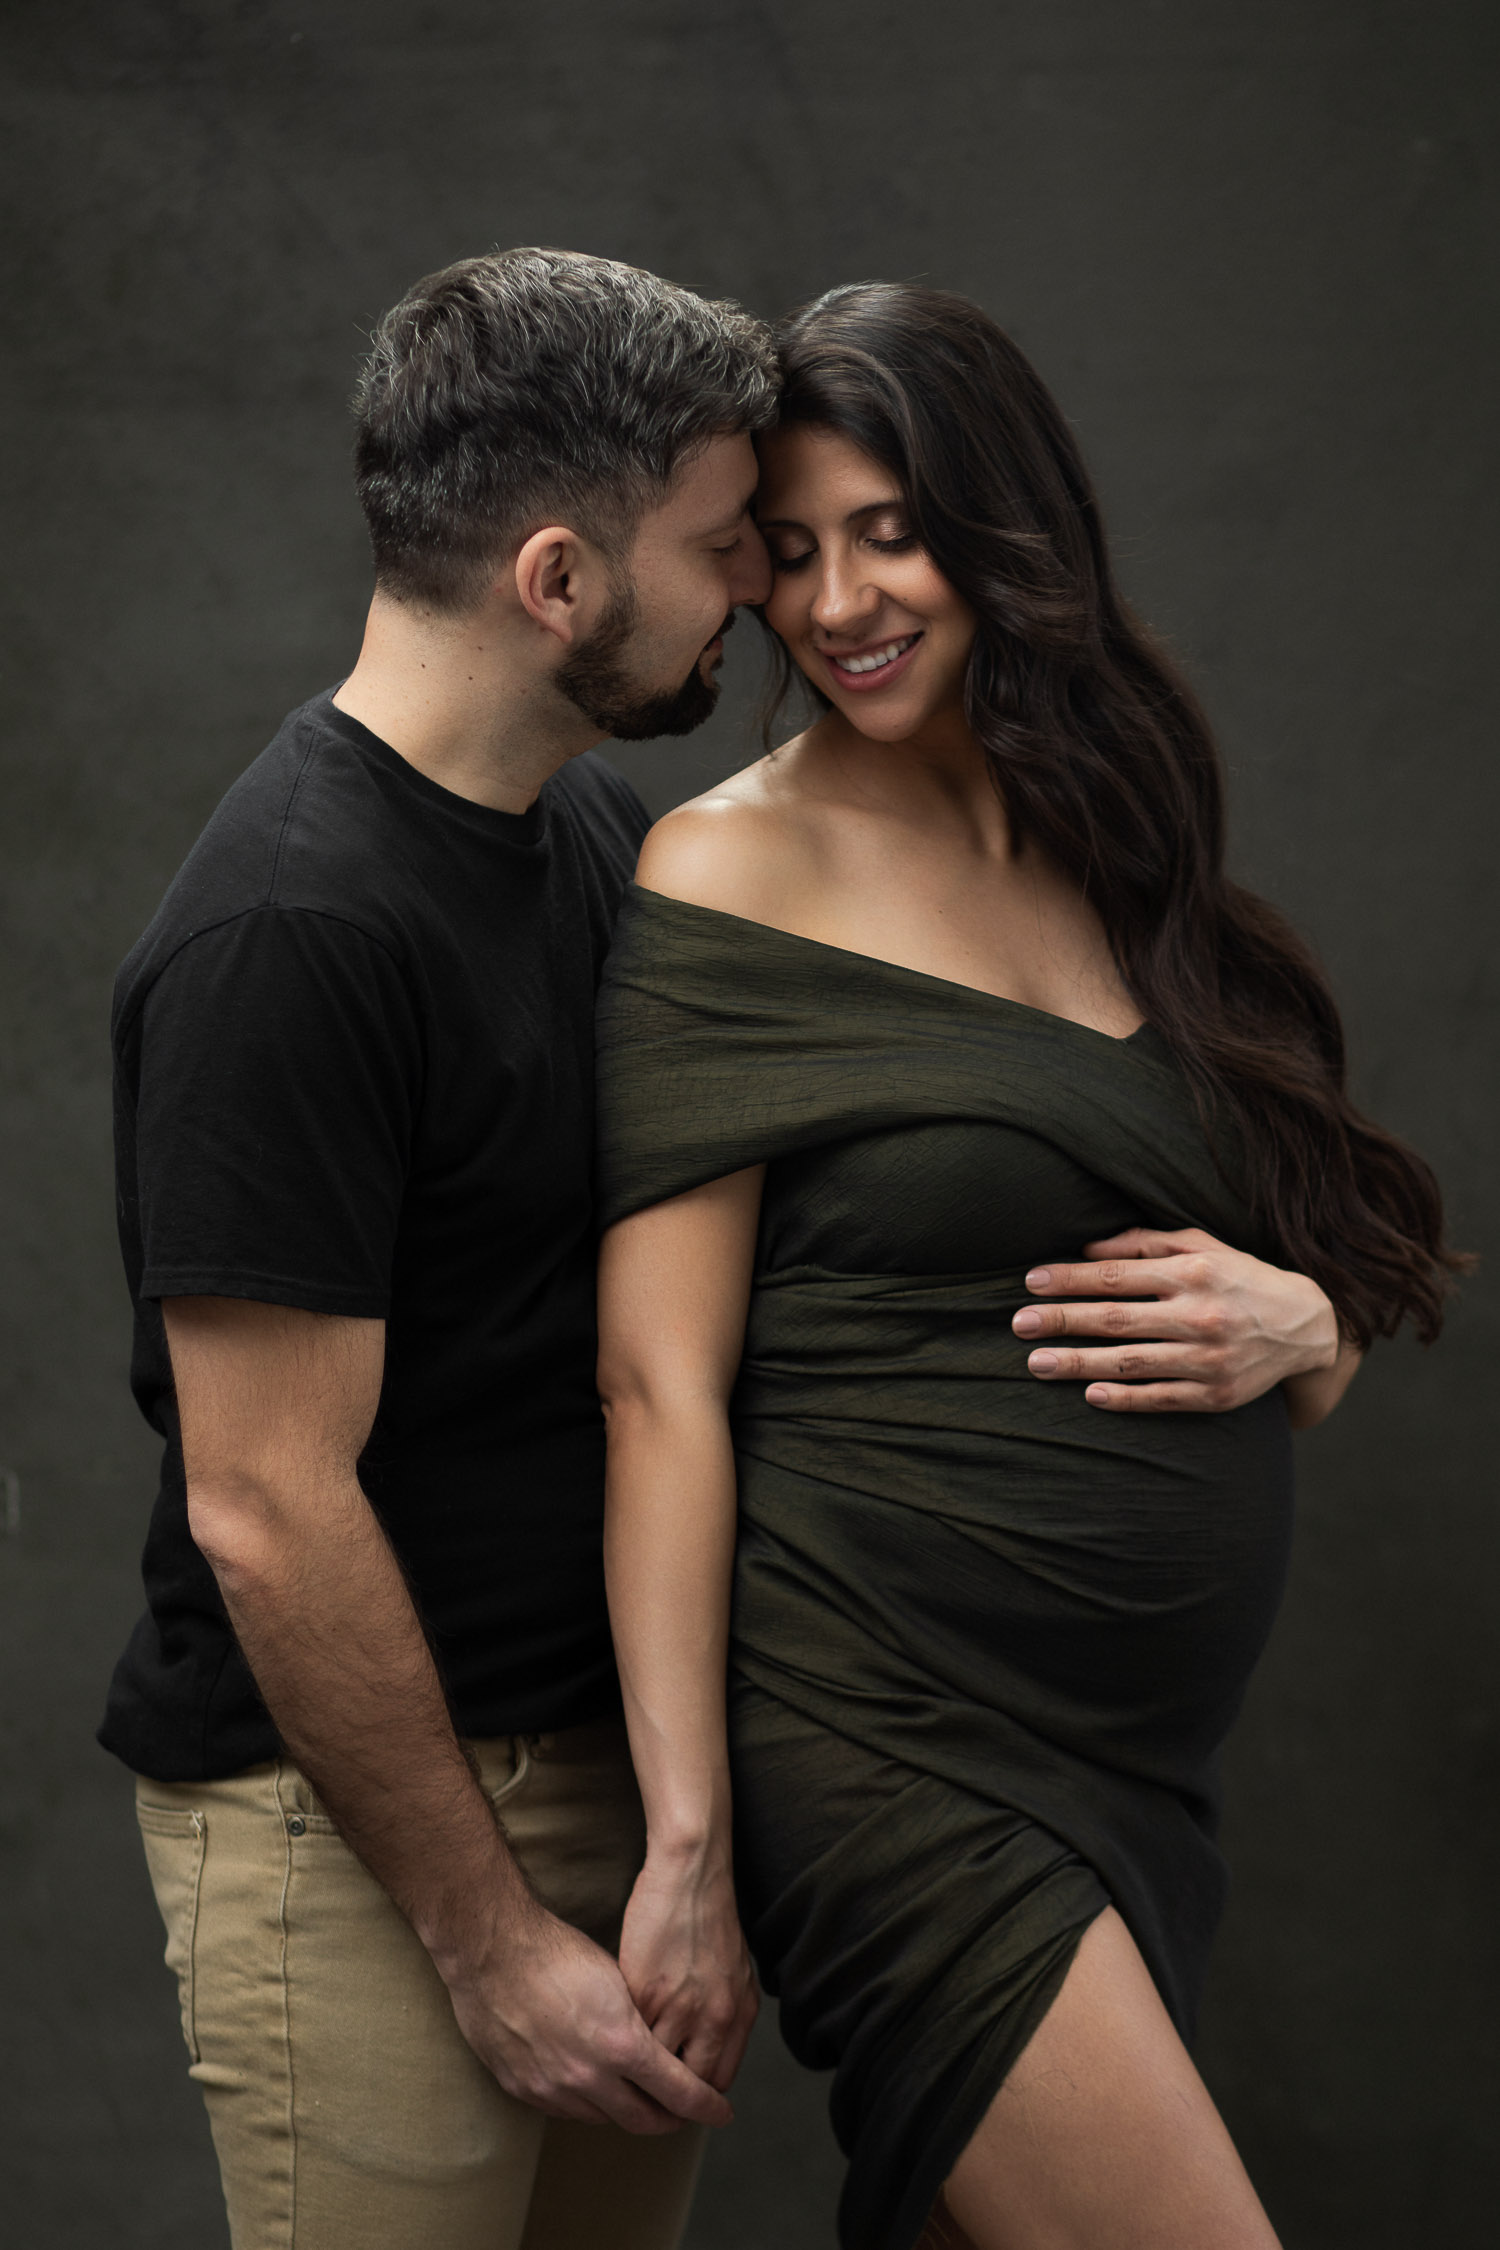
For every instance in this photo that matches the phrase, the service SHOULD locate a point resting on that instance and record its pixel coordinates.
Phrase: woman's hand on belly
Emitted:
(1179, 1323)
(684, 1957)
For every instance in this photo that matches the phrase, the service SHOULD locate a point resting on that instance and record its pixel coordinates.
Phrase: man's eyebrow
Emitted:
(727, 523)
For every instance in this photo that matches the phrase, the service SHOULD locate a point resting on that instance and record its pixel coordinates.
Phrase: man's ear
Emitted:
(561, 582)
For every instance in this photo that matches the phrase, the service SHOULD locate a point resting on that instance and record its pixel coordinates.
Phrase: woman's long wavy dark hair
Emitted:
(1104, 761)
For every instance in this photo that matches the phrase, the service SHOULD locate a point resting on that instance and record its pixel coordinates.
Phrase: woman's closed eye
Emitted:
(784, 556)
(900, 543)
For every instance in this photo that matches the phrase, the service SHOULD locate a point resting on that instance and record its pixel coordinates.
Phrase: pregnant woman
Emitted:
(949, 988)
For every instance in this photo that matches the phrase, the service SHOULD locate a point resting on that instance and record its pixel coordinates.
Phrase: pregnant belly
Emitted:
(921, 1516)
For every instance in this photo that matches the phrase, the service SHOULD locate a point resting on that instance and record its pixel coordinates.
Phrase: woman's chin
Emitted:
(883, 720)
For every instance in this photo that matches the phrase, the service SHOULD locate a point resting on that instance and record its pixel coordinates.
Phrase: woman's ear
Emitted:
(561, 582)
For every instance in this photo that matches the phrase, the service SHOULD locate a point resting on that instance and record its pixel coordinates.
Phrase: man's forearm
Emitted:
(276, 1407)
(327, 1625)
(1312, 1395)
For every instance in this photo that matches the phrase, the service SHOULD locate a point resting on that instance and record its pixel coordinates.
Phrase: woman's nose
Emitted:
(843, 600)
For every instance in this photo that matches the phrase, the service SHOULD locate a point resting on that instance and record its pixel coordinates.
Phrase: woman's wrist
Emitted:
(689, 1841)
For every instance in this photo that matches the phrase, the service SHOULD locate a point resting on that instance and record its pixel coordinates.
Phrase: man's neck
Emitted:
(454, 697)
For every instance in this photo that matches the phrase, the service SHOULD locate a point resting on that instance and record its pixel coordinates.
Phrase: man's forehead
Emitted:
(713, 490)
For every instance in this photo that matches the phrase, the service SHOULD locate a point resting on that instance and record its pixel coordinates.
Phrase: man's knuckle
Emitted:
(1115, 1319)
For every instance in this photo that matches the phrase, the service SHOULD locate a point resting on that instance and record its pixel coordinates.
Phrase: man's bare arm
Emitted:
(276, 1406)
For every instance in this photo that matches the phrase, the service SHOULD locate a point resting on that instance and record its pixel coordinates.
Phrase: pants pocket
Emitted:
(500, 1793)
(175, 1843)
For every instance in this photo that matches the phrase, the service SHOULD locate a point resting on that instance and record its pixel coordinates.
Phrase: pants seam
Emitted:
(200, 1833)
(286, 2012)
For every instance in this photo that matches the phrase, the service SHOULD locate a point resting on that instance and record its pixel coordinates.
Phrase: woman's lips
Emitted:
(860, 683)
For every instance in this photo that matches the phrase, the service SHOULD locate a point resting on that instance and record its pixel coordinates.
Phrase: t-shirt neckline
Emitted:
(526, 827)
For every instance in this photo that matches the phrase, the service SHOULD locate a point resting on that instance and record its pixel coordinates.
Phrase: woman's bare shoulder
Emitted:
(741, 847)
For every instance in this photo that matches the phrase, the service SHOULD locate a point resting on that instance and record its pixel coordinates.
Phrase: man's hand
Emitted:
(1192, 1327)
(552, 2017)
(685, 1959)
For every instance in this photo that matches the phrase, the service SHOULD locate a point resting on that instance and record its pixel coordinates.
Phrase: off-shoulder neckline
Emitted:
(898, 969)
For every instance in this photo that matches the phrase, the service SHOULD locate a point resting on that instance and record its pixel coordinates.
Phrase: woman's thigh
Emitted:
(1103, 2136)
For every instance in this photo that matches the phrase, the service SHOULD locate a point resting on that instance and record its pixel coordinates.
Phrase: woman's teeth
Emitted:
(877, 657)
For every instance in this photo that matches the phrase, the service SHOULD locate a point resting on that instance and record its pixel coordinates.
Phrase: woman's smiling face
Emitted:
(863, 609)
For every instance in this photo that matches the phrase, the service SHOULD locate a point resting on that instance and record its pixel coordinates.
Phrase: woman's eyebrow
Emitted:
(870, 508)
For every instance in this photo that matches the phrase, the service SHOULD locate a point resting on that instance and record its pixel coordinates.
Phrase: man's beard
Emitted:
(596, 679)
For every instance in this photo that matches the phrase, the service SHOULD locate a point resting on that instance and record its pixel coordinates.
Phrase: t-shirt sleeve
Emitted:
(278, 1078)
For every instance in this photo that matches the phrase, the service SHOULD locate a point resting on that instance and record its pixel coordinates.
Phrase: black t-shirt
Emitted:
(354, 1073)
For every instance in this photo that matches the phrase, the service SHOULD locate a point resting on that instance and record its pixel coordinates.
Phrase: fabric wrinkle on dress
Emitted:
(987, 1640)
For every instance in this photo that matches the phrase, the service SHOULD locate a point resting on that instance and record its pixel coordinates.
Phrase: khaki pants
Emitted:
(347, 2110)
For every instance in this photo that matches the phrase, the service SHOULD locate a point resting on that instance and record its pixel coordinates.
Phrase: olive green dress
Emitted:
(987, 1639)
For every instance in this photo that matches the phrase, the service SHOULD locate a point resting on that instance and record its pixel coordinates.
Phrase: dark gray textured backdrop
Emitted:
(1244, 244)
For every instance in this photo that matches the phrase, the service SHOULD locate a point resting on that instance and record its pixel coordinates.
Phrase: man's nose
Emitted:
(753, 579)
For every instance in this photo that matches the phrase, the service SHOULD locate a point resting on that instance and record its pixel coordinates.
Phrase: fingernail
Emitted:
(1027, 1322)
(1043, 1363)
(1039, 1278)
(1096, 1394)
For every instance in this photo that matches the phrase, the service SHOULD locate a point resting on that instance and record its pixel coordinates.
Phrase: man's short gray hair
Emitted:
(530, 385)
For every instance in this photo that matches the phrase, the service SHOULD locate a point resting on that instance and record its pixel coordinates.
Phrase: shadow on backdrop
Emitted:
(1243, 245)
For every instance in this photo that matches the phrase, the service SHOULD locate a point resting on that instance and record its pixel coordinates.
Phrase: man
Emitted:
(385, 1795)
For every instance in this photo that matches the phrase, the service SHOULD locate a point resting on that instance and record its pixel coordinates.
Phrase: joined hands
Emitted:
(557, 2026)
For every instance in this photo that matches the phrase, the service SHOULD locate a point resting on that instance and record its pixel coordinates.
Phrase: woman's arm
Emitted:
(674, 1289)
